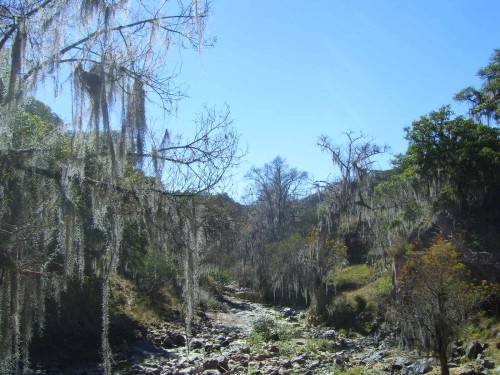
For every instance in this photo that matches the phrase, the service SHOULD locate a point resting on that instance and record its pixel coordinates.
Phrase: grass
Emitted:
(352, 277)
(485, 330)
(360, 289)
(144, 309)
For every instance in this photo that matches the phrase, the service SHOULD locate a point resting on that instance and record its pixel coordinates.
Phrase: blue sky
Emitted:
(293, 70)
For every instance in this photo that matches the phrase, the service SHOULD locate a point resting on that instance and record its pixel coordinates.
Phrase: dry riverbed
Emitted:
(224, 342)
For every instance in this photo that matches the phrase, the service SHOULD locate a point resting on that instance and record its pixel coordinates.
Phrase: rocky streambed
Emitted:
(222, 342)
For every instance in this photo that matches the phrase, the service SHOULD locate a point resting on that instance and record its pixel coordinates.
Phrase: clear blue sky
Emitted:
(292, 70)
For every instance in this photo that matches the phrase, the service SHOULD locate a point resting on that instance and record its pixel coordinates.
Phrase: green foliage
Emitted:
(267, 327)
(485, 103)
(435, 299)
(354, 277)
(457, 151)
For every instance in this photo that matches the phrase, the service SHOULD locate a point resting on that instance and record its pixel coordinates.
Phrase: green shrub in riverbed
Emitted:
(267, 327)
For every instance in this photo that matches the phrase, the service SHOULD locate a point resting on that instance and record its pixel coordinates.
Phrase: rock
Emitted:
(274, 349)
(473, 349)
(211, 364)
(490, 365)
(225, 343)
(421, 367)
(167, 343)
(178, 339)
(223, 364)
(260, 357)
(210, 372)
(396, 367)
(245, 349)
(377, 356)
(300, 360)
(187, 371)
(287, 312)
(330, 334)
(196, 344)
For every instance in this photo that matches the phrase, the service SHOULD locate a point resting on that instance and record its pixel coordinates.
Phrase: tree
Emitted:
(346, 200)
(434, 300)
(57, 211)
(458, 152)
(275, 188)
(347, 195)
(485, 102)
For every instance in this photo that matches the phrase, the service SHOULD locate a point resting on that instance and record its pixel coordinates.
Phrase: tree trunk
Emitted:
(443, 361)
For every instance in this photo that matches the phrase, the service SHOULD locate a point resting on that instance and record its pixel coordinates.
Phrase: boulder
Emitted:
(178, 339)
(490, 365)
(329, 334)
(211, 364)
(196, 344)
(274, 349)
(473, 349)
(421, 367)
(287, 312)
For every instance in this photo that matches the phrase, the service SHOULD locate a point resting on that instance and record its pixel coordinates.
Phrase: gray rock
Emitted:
(187, 371)
(273, 349)
(421, 367)
(330, 334)
(287, 312)
(178, 339)
(211, 364)
(473, 349)
(490, 365)
(223, 365)
(196, 344)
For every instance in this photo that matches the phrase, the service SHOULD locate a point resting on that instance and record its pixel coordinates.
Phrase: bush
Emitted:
(267, 327)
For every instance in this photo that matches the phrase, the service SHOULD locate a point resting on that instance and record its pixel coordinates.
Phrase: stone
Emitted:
(300, 360)
(211, 364)
(223, 364)
(329, 334)
(473, 349)
(178, 339)
(287, 312)
(260, 357)
(421, 367)
(196, 344)
(490, 365)
(273, 349)
(167, 343)
(187, 371)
